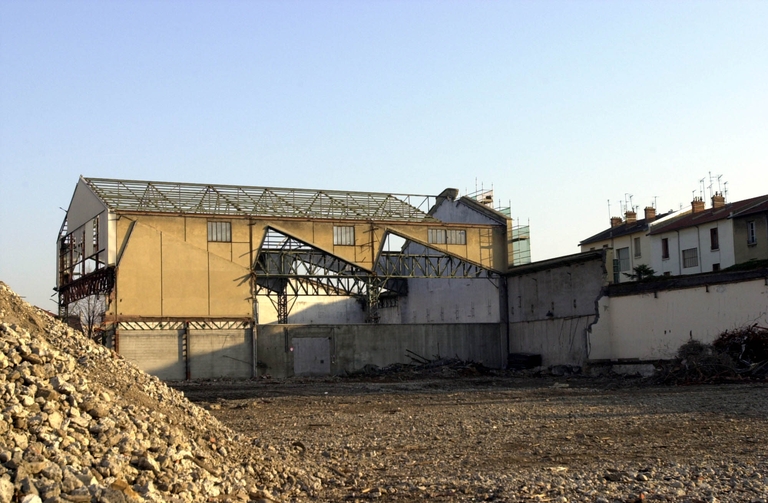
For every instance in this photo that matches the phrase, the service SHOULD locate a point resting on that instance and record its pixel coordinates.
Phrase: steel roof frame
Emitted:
(231, 200)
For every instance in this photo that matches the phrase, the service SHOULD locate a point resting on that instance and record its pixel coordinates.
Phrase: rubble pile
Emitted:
(424, 368)
(78, 423)
(734, 355)
(747, 347)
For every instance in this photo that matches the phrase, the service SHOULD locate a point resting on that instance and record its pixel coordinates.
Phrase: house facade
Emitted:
(750, 232)
(709, 239)
(627, 240)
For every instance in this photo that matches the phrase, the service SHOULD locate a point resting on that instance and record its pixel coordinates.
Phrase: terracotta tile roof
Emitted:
(623, 230)
(738, 208)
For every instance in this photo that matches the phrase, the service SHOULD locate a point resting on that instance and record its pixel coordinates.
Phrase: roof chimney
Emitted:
(718, 201)
(631, 217)
(697, 205)
(615, 221)
(650, 212)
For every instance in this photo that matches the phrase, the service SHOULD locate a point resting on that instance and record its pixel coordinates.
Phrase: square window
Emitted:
(456, 237)
(343, 235)
(220, 231)
(691, 257)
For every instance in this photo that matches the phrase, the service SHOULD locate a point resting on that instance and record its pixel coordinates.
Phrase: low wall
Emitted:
(211, 354)
(285, 350)
(652, 325)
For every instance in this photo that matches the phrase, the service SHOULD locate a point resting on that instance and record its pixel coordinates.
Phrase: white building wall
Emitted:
(654, 325)
(670, 265)
(694, 237)
(449, 301)
(725, 254)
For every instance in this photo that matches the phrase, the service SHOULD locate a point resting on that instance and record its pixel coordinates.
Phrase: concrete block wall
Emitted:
(212, 354)
(221, 353)
(156, 352)
(351, 347)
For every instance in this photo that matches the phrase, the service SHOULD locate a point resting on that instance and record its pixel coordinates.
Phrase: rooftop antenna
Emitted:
(701, 188)
(725, 190)
(710, 185)
(610, 216)
(719, 189)
(654, 201)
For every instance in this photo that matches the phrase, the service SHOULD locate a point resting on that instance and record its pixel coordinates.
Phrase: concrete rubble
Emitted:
(79, 424)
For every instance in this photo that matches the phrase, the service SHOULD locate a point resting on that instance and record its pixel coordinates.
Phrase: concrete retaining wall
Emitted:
(351, 347)
(287, 350)
(211, 354)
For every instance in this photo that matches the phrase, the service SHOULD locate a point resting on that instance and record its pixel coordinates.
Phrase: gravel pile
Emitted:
(80, 424)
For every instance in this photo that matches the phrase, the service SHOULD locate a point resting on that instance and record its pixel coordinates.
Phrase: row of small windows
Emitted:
(343, 235)
(447, 237)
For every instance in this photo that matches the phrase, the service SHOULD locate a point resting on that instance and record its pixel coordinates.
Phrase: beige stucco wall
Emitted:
(745, 252)
(168, 268)
(161, 275)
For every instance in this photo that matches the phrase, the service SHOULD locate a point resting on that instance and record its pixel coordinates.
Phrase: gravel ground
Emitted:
(507, 438)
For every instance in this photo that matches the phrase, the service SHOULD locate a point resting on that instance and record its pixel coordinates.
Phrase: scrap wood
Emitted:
(416, 357)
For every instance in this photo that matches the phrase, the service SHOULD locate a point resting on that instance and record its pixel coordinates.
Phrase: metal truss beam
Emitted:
(181, 324)
(403, 265)
(99, 282)
(191, 198)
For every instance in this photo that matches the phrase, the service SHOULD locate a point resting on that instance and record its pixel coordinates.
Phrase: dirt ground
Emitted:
(508, 438)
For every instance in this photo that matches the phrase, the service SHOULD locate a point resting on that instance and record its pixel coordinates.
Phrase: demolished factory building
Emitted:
(206, 281)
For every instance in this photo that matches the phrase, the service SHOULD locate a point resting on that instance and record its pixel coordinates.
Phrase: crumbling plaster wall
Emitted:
(552, 305)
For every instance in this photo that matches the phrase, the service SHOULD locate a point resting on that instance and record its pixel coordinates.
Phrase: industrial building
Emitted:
(220, 280)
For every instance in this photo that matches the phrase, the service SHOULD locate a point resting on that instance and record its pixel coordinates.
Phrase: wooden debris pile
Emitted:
(735, 355)
(421, 367)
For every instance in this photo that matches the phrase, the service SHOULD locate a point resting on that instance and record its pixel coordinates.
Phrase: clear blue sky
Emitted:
(561, 106)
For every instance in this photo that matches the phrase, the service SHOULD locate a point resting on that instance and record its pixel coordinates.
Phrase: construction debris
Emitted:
(734, 355)
(424, 367)
(79, 423)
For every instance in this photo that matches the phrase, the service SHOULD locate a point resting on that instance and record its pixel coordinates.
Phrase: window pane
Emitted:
(622, 254)
(455, 237)
(343, 235)
(437, 236)
(714, 239)
(751, 236)
(690, 257)
(220, 231)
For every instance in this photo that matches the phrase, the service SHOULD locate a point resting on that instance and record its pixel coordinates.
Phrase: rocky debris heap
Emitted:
(78, 423)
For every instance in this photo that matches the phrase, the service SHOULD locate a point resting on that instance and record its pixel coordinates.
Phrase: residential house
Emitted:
(629, 241)
(706, 239)
(750, 232)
